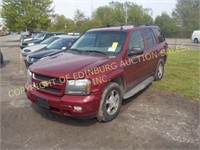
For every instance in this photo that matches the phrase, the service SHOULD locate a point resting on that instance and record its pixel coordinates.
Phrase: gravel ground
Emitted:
(152, 119)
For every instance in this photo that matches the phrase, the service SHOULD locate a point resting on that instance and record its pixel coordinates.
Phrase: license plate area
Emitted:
(42, 102)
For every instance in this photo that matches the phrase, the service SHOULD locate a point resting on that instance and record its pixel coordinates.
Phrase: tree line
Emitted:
(36, 15)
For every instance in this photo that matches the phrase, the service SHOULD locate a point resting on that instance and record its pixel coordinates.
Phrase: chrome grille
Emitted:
(46, 78)
(48, 84)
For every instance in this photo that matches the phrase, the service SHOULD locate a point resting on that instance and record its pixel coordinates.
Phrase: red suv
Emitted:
(103, 67)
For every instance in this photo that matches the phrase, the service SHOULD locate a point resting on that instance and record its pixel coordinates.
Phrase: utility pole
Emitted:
(126, 16)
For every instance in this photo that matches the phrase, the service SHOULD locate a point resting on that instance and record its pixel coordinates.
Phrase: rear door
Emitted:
(151, 53)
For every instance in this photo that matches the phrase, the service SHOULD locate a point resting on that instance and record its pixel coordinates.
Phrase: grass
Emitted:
(182, 74)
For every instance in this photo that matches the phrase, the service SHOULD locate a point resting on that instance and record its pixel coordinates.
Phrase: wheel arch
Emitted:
(120, 81)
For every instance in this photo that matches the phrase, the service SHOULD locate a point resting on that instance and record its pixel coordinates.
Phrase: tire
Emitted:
(2, 61)
(196, 40)
(159, 70)
(110, 103)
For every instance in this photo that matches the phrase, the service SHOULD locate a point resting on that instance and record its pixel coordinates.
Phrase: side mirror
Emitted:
(64, 48)
(135, 51)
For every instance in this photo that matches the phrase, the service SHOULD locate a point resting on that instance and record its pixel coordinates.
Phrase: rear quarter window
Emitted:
(160, 36)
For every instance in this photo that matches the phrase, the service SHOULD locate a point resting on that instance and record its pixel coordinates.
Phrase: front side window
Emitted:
(136, 40)
(108, 42)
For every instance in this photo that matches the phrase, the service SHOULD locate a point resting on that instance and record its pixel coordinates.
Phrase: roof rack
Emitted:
(112, 25)
(141, 24)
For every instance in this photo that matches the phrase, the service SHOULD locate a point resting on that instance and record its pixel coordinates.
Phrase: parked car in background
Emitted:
(196, 36)
(1, 56)
(103, 67)
(39, 38)
(40, 46)
(60, 45)
(26, 36)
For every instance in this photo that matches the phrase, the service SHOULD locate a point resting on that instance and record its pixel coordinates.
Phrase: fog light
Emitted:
(77, 108)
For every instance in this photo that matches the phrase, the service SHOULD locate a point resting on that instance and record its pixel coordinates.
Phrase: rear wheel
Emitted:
(159, 70)
(196, 40)
(110, 103)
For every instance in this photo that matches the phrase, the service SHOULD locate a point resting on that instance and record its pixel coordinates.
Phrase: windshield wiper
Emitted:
(73, 49)
(96, 52)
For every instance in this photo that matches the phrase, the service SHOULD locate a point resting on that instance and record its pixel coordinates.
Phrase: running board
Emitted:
(138, 88)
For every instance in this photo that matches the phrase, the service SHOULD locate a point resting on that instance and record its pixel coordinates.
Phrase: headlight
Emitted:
(31, 59)
(29, 76)
(30, 44)
(27, 58)
(78, 87)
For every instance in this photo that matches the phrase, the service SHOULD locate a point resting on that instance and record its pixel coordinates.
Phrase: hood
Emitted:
(44, 53)
(36, 47)
(28, 39)
(63, 64)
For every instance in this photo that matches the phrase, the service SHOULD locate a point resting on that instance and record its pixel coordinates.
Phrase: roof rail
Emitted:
(141, 24)
(112, 25)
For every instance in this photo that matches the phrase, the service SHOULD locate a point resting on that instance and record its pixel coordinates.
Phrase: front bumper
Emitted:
(24, 54)
(27, 63)
(65, 104)
(22, 46)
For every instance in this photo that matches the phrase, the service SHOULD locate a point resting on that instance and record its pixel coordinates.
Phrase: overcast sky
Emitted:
(68, 7)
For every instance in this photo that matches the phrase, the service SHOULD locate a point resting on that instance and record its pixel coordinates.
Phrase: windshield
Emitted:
(49, 40)
(33, 35)
(60, 43)
(39, 36)
(108, 42)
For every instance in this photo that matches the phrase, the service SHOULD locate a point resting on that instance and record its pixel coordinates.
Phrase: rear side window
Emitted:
(149, 38)
(136, 40)
(161, 37)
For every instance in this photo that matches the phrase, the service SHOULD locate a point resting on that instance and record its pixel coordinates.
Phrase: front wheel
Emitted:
(159, 70)
(110, 103)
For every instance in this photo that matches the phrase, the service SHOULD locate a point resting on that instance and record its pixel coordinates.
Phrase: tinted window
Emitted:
(136, 40)
(148, 38)
(153, 37)
(49, 40)
(48, 36)
(159, 34)
(39, 36)
(60, 43)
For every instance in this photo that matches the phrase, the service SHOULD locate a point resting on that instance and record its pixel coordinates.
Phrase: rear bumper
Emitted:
(65, 104)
